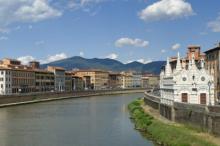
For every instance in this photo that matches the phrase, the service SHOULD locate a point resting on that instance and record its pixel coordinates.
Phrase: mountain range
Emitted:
(106, 64)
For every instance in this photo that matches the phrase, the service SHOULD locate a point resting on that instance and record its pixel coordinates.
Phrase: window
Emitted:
(203, 78)
(184, 79)
(184, 97)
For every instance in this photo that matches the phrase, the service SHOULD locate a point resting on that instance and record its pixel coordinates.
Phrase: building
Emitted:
(5, 81)
(68, 82)
(16, 78)
(192, 49)
(34, 65)
(77, 83)
(190, 85)
(136, 80)
(94, 79)
(150, 81)
(213, 66)
(115, 80)
(44, 81)
(127, 80)
(59, 78)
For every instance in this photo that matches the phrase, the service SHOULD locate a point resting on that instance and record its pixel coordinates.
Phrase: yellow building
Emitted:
(150, 81)
(94, 79)
(127, 80)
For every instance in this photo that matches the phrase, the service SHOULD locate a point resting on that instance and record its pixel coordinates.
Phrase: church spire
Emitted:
(193, 64)
(178, 64)
(202, 63)
(168, 70)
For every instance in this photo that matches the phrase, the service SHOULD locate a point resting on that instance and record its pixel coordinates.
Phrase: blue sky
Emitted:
(126, 30)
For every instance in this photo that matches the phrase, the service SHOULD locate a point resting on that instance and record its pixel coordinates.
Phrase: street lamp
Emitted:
(209, 84)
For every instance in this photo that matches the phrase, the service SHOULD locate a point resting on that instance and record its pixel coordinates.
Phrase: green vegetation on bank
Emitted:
(164, 134)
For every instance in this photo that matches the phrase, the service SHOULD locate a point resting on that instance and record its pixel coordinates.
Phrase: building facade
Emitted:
(127, 80)
(68, 82)
(115, 80)
(5, 81)
(23, 81)
(78, 84)
(213, 67)
(192, 85)
(136, 80)
(94, 79)
(44, 81)
(150, 81)
(59, 78)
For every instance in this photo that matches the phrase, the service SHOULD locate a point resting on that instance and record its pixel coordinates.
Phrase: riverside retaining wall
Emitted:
(198, 116)
(43, 97)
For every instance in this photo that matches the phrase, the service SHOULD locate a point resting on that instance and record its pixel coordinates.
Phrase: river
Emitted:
(92, 121)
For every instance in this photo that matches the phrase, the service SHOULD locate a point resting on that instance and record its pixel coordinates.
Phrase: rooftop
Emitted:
(213, 49)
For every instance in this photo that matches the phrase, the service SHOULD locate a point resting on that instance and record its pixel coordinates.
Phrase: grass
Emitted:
(164, 134)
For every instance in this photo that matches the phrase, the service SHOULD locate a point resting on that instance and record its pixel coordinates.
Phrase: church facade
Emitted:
(188, 84)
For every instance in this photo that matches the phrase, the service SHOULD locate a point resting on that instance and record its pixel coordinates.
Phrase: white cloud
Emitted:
(82, 3)
(26, 59)
(215, 24)
(131, 42)
(140, 60)
(56, 57)
(81, 54)
(112, 56)
(166, 9)
(175, 46)
(163, 51)
(129, 61)
(3, 38)
(144, 61)
(26, 11)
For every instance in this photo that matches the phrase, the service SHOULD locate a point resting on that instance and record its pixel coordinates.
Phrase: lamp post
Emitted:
(209, 84)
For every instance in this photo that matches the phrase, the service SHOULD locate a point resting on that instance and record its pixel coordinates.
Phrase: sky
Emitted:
(125, 30)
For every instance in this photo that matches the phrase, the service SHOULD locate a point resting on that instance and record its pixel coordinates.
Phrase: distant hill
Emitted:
(106, 64)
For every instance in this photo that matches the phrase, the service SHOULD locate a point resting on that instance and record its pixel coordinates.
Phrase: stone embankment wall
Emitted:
(42, 97)
(198, 116)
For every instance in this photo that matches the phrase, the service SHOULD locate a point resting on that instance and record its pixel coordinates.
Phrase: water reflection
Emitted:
(96, 121)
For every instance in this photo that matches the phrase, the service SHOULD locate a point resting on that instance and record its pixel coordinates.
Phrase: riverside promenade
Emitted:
(20, 99)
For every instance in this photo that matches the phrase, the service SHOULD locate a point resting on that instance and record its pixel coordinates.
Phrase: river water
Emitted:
(94, 121)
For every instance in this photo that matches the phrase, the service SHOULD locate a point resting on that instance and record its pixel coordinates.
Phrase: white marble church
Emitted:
(186, 84)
